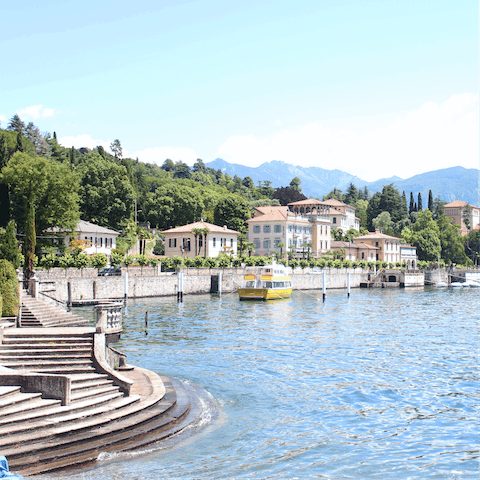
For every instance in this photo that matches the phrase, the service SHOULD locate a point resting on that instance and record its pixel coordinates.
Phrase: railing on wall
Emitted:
(109, 318)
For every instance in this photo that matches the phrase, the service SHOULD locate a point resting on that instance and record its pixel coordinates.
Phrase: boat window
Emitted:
(250, 284)
(268, 284)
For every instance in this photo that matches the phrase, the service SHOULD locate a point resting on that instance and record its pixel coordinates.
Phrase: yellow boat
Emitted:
(272, 283)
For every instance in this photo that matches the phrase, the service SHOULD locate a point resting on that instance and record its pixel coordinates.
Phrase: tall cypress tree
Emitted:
(73, 160)
(412, 204)
(430, 201)
(30, 243)
(4, 193)
(420, 206)
(19, 147)
(404, 205)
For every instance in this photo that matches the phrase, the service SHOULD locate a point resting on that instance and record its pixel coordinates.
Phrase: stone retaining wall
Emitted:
(195, 281)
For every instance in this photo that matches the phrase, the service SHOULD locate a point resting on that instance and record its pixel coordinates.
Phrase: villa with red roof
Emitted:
(298, 226)
(456, 210)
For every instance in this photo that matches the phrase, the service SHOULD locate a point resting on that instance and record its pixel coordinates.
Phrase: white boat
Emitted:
(457, 284)
(472, 283)
(441, 284)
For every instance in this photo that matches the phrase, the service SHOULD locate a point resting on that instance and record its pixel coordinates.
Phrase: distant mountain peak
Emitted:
(452, 182)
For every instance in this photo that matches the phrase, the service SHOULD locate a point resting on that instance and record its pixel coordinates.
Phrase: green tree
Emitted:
(9, 245)
(116, 148)
(425, 235)
(30, 244)
(286, 195)
(453, 248)
(16, 124)
(9, 289)
(472, 246)
(411, 208)
(351, 196)
(232, 211)
(419, 204)
(50, 186)
(383, 222)
(430, 201)
(173, 205)
(466, 216)
(295, 184)
(4, 193)
(99, 261)
(106, 194)
(19, 147)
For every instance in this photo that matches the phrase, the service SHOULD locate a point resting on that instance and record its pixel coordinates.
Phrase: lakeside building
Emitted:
(456, 211)
(183, 242)
(94, 238)
(342, 215)
(298, 226)
(356, 251)
(388, 246)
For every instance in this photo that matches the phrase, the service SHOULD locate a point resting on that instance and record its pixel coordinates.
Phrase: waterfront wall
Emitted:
(70, 284)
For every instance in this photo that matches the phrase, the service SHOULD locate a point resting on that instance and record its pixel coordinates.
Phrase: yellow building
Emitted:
(388, 246)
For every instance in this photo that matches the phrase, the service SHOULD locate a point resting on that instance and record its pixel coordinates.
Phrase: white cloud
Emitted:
(35, 112)
(159, 154)
(83, 141)
(432, 137)
(3, 118)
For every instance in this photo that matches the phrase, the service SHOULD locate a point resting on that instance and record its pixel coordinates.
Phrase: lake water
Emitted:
(383, 385)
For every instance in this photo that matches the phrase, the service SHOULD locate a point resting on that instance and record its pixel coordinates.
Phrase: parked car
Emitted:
(110, 272)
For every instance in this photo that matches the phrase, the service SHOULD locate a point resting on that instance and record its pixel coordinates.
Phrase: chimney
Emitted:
(224, 227)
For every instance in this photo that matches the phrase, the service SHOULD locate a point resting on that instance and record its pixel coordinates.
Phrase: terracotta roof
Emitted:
(309, 201)
(456, 203)
(211, 228)
(377, 234)
(361, 245)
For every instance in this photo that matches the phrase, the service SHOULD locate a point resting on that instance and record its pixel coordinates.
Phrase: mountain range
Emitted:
(449, 184)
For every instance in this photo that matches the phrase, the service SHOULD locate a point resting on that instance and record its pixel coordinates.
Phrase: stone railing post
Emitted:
(109, 318)
(33, 287)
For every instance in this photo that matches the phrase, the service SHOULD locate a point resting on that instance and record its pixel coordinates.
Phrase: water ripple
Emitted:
(384, 385)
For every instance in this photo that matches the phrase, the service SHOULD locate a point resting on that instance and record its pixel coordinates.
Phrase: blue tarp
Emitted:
(4, 473)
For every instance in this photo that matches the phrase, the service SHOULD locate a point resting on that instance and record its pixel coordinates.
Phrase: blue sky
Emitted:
(374, 88)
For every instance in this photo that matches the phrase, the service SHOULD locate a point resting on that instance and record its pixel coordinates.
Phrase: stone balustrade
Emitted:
(109, 318)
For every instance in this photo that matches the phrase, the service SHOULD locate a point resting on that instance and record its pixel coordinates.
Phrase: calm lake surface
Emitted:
(383, 385)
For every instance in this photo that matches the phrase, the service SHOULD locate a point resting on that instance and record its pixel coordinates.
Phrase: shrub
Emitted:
(198, 261)
(48, 261)
(177, 261)
(304, 264)
(99, 260)
(9, 245)
(66, 261)
(9, 289)
(223, 261)
(188, 262)
(128, 260)
(141, 259)
(82, 261)
(210, 262)
(237, 262)
(116, 259)
(153, 262)
(293, 263)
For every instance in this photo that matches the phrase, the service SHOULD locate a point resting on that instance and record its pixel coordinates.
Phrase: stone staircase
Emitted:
(36, 313)
(40, 434)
